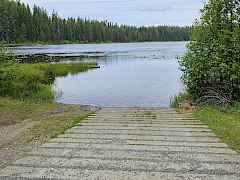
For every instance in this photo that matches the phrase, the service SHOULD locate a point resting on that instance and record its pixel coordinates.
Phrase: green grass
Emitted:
(52, 126)
(224, 122)
(64, 69)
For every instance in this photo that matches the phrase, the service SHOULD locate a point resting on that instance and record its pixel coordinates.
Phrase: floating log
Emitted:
(95, 67)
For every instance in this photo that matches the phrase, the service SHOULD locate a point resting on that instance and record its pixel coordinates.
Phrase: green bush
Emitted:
(23, 80)
(5, 59)
(44, 93)
(33, 81)
(211, 66)
(3, 56)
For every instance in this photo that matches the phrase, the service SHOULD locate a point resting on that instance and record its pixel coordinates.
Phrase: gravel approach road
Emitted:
(131, 144)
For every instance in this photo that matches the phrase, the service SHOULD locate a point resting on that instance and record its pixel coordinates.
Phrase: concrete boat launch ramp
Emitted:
(131, 144)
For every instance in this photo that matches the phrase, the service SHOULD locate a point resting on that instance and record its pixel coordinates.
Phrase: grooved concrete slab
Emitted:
(131, 144)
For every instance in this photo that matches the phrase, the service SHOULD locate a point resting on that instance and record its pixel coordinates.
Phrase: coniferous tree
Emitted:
(18, 23)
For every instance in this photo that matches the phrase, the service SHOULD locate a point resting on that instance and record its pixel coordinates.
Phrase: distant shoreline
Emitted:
(66, 43)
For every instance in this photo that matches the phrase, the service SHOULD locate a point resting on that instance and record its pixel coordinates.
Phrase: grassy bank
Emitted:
(224, 122)
(33, 81)
(28, 117)
(65, 69)
(26, 94)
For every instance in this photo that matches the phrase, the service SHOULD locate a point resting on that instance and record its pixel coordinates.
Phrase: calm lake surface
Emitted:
(131, 74)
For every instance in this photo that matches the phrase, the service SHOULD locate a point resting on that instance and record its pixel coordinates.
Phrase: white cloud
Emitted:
(139, 12)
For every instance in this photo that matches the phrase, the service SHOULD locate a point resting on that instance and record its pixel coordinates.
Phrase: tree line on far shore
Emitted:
(20, 23)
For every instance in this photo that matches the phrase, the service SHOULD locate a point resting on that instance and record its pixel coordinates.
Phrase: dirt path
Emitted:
(132, 143)
(27, 125)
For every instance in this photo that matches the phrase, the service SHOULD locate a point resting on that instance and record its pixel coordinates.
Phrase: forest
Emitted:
(19, 24)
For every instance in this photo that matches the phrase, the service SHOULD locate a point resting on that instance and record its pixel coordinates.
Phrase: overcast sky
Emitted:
(134, 12)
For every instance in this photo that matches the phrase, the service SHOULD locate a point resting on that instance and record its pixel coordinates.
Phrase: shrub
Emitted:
(5, 58)
(211, 66)
(23, 80)
(44, 93)
(33, 81)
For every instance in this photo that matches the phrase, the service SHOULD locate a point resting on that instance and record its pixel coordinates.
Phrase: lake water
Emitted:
(131, 74)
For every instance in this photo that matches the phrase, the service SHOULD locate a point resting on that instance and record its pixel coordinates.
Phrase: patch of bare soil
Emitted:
(12, 132)
(7, 119)
(10, 148)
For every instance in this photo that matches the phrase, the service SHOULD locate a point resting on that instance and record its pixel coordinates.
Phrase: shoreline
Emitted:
(81, 43)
